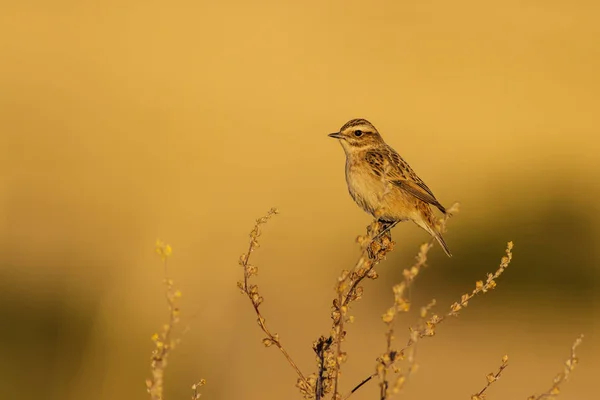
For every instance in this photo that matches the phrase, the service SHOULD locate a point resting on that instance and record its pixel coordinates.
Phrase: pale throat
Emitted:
(354, 149)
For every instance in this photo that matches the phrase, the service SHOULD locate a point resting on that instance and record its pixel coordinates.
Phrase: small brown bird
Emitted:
(383, 184)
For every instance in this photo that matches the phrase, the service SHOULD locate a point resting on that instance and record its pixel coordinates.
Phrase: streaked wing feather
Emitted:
(401, 175)
(416, 190)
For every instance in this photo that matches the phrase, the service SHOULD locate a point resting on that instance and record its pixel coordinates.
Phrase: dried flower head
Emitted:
(162, 249)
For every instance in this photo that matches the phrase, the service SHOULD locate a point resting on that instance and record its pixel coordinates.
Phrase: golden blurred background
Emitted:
(123, 122)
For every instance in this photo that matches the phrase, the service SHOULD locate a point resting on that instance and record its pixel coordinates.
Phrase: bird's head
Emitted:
(357, 134)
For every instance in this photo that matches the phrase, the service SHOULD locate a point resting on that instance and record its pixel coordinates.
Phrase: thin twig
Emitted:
(320, 348)
(491, 378)
(409, 274)
(338, 343)
(195, 389)
(163, 341)
(563, 376)
(348, 290)
(430, 325)
(401, 304)
(256, 299)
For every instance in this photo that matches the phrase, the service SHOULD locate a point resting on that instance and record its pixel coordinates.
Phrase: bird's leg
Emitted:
(386, 227)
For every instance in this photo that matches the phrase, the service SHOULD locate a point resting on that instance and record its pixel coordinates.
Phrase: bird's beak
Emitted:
(336, 135)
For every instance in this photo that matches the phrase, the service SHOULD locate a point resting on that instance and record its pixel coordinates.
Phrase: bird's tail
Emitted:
(442, 243)
(428, 223)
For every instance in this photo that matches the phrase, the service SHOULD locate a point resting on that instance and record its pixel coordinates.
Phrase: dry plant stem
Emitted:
(491, 378)
(374, 249)
(384, 386)
(358, 280)
(561, 378)
(340, 334)
(256, 299)
(401, 304)
(430, 325)
(365, 259)
(392, 355)
(321, 346)
(163, 341)
(195, 392)
(348, 290)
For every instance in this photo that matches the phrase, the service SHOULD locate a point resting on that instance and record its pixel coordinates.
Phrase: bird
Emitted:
(383, 184)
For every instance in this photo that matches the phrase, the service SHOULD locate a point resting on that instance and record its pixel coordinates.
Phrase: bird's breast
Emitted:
(364, 186)
(371, 193)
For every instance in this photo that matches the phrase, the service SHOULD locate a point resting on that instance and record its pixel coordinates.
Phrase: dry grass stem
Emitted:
(195, 389)
(375, 246)
(348, 289)
(428, 328)
(401, 304)
(491, 378)
(480, 287)
(251, 290)
(330, 357)
(561, 378)
(321, 348)
(163, 341)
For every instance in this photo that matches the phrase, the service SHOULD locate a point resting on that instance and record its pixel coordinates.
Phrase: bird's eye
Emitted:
(358, 133)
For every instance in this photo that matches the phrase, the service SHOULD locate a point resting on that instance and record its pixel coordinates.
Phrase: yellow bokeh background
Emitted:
(126, 121)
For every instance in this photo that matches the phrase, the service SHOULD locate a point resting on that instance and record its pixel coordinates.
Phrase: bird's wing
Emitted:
(401, 175)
